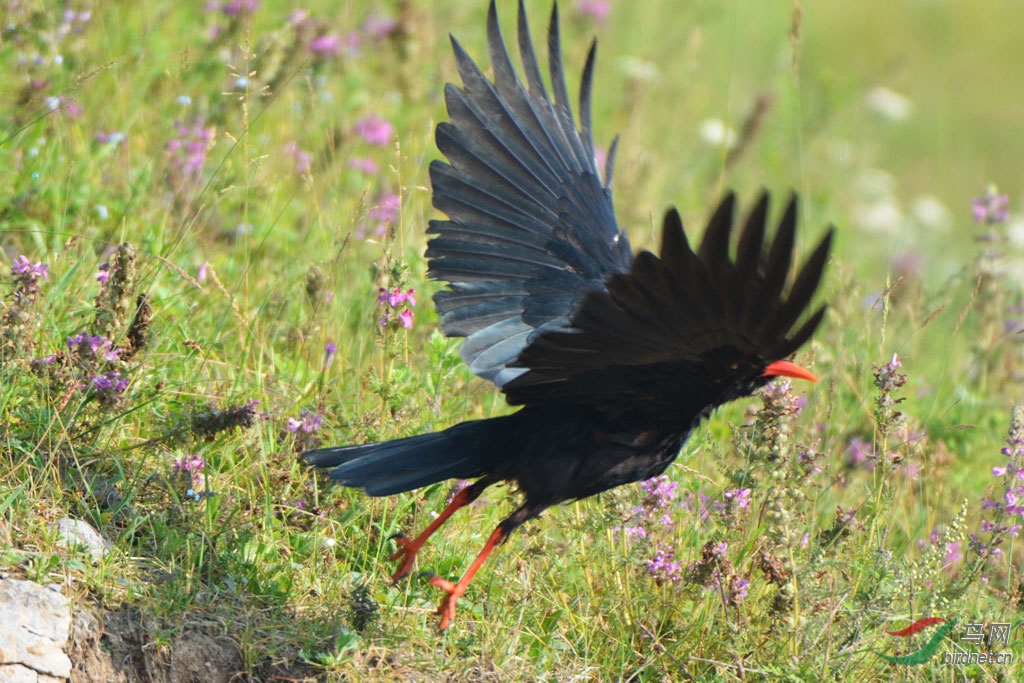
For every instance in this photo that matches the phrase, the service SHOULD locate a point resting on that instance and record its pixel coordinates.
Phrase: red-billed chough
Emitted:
(615, 358)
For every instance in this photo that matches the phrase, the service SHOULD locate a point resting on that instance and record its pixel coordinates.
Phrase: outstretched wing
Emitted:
(531, 227)
(680, 332)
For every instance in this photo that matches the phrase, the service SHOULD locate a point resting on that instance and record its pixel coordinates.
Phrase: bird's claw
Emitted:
(406, 553)
(446, 610)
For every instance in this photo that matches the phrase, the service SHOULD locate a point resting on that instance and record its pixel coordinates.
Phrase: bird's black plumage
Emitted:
(615, 358)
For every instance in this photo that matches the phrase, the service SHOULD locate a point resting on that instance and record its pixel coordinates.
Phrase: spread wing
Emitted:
(681, 331)
(531, 227)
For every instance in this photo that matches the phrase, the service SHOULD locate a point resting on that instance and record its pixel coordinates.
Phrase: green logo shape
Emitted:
(925, 653)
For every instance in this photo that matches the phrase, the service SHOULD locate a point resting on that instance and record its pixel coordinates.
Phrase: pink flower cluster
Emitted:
(187, 152)
(397, 306)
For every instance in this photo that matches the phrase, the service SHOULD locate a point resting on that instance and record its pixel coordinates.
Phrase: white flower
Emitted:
(889, 104)
(717, 133)
(931, 213)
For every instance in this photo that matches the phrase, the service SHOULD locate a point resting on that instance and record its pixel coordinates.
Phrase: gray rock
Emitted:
(77, 532)
(34, 629)
(15, 673)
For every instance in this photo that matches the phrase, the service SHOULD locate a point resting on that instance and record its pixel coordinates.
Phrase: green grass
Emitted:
(284, 562)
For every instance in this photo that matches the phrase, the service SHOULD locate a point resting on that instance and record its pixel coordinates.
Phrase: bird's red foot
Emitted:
(406, 553)
(408, 547)
(446, 610)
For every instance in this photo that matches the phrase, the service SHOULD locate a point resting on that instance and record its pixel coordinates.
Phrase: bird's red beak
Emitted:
(784, 368)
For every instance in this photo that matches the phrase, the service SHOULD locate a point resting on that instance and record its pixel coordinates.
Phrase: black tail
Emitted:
(464, 451)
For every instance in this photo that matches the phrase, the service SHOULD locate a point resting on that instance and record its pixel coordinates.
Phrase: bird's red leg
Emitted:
(455, 590)
(409, 547)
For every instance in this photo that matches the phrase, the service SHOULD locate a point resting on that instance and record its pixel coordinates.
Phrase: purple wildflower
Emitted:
(94, 347)
(192, 465)
(888, 379)
(808, 458)
(303, 159)
(23, 268)
(1006, 511)
(953, 556)
(375, 129)
(632, 532)
(699, 504)
(598, 10)
(991, 208)
(382, 215)
(363, 165)
(733, 500)
(111, 382)
(860, 453)
(187, 152)
(103, 273)
(739, 497)
(233, 8)
(664, 567)
(778, 394)
(405, 318)
(325, 45)
(306, 423)
(393, 301)
(377, 27)
(330, 351)
(654, 509)
(396, 297)
(660, 492)
(73, 17)
(71, 108)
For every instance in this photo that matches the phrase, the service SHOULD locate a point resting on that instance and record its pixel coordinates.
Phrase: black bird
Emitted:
(615, 358)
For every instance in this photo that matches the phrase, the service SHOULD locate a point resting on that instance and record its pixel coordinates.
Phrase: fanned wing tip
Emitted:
(800, 337)
(780, 256)
(756, 289)
(555, 61)
(806, 282)
(748, 253)
(528, 56)
(586, 86)
(504, 74)
(674, 245)
(609, 164)
(799, 298)
(531, 227)
(465, 65)
(714, 245)
(492, 14)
